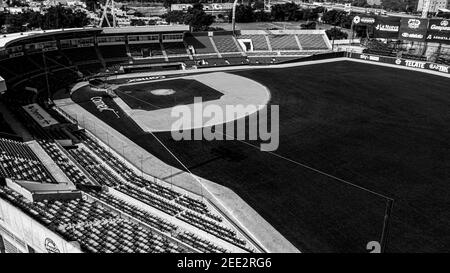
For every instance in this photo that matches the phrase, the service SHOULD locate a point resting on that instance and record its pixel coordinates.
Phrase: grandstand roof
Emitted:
(138, 29)
(7, 38)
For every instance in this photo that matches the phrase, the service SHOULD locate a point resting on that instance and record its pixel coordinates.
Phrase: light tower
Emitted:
(233, 16)
(108, 5)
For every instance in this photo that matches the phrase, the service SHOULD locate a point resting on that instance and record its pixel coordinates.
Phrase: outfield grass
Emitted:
(381, 128)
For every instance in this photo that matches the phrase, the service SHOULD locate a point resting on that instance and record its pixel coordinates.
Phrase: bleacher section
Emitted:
(17, 161)
(149, 192)
(259, 42)
(201, 43)
(82, 220)
(312, 42)
(175, 49)
(113, 51)
(283, 42)
(64, 163)
(95, 227)
(146, 50)
(225, 43)
(376, 47)
(82, 54)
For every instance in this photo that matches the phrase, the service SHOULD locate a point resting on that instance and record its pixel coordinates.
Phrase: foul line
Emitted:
(279, 156)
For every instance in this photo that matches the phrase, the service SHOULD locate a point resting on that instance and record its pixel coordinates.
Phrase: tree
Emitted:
(277, 12)
(175, 16)
(195, 17)
(261, 16)
(360, 3)
(244, 14)
(137, 22)
(168, 3)
(336, 34)
(337, 18)
(258, 5)
(92, 5)
(310, 25)
(61, 17)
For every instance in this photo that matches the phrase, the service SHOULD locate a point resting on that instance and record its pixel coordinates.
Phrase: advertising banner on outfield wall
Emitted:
(386, 27)
(439, 31)
(364, 20)
(402, 62)
(413, 29)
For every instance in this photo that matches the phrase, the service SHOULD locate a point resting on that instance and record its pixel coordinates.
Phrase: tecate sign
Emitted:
(415, 64)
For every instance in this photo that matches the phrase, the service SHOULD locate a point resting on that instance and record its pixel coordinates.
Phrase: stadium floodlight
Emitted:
(109, 4)
(233, 16)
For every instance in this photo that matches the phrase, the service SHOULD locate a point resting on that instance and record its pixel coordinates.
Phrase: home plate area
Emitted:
(150, 104)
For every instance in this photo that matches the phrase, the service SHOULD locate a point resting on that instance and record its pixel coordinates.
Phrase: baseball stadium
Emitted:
(89, 162)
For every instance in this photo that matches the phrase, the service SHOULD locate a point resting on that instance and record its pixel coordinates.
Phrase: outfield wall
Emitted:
(419, 65)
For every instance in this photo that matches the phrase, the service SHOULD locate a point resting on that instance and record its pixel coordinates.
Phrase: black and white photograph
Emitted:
(221, 133)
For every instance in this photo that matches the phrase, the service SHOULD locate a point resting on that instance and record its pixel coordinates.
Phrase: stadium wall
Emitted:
(27, 232)
(419, 65)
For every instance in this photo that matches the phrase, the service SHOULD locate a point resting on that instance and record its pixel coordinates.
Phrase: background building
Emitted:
(435, 5)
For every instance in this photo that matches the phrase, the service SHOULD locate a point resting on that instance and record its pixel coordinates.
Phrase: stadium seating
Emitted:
(211, 227)
(443, 60)
(312, 42)
(151, 193)
(121, 236)
(82, 54)
(26, 66)
(283, 42)
(201, 44)
(259, 42)
(175, 48)
(199, 243)
(94, 227)
(414, 57)
(145, 50)
(94, 168)
(113, 52)
(64, 163)
(158, 223)
(17, 161)
(225, 43)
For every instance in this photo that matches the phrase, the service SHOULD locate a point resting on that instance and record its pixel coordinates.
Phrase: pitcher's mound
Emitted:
(163, 92)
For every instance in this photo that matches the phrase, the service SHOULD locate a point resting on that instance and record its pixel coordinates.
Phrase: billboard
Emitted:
(413, 29)
(386, 27)
(364, 20)
(40, 115)
(402, 62)
(439, 31)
